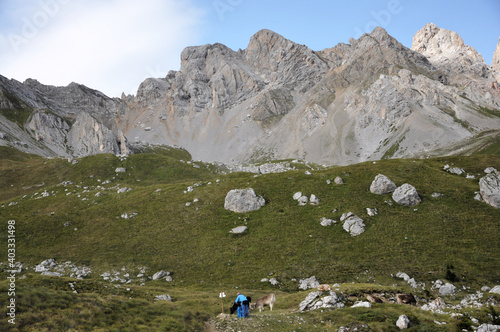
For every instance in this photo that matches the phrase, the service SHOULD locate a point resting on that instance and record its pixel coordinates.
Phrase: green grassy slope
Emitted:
(283, 239)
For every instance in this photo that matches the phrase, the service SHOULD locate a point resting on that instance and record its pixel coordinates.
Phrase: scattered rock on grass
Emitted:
(489, 187)
(382, 185)
(403, 322)
(243, 200)
(354, 225)
(238, 230)
(406, 195)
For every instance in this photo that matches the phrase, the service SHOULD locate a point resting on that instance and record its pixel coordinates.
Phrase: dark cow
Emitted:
(406, 299)
(374, 298)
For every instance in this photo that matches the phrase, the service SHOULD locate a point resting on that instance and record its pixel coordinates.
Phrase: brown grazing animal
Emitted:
(267, 300)
(406, 299)
(374, 299)
(324, 288)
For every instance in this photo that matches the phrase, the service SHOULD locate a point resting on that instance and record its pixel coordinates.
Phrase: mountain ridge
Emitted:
(370, 99)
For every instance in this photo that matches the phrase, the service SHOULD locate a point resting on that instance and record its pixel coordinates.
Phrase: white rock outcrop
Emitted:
(243, 200)
(317, 300)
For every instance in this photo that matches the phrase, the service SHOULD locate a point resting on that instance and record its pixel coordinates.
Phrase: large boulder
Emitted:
(243, 200)
(406, 195)
(403, 322)
(382, 185)
(489, 188)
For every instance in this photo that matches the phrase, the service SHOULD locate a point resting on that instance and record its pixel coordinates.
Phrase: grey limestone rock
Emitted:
(243, 200)
(362, 304)
(406, 195)
(314, 200)
(45, 265)
(382, 185)
(456, 170)
(446, 49)
(489, 188)
(317, 300)
(308, 300)
(302, 200)
(50, 129)
(488, 328)
(495, 290)
(88, 136)
(403, 322)
(338, 180)
(346, 215)
(160, 275)
(354, 225)
(238, 230)
(447, 289)
(495, 63)
(327, 222)
(490, 169)
(308, 283)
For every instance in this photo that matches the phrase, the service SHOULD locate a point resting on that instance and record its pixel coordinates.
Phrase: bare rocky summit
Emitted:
(370, 99)
(495, 62)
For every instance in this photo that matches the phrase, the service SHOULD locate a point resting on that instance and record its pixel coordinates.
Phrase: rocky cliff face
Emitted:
(366, 100)
(59, 121)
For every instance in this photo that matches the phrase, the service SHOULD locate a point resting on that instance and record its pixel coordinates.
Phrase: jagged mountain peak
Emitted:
(277, 99)
(495, 62)
(279, 60)
(268, 39)
(440, 44)
(447, 51)
(201, 53)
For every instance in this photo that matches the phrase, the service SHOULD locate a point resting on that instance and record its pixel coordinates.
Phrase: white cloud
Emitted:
(111, 45)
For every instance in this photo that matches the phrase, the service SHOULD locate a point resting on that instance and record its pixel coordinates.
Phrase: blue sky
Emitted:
(113, 45)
